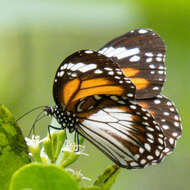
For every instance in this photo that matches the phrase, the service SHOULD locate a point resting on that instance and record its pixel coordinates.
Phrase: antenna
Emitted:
(29, 112)
(38, 118)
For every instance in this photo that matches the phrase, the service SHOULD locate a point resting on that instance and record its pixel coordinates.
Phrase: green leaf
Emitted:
(52, 146)
(37, 176)
(13, 149)
(107, 179)
(61, 136)
(69, 155)
(91, 188)
(34, 148)
(47, 144)
(67, 159)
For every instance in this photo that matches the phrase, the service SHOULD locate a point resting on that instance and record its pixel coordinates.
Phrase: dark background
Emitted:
(35, 36)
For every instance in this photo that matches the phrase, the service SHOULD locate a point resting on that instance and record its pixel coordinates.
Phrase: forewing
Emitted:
(124, 131)
(87, 73)
(140, 54)
(164, 112)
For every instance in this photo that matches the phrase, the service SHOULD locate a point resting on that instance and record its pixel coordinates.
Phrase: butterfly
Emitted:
(112, 98)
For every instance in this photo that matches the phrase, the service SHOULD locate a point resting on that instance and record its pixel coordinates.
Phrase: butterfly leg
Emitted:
(50, 126)
(76, 137)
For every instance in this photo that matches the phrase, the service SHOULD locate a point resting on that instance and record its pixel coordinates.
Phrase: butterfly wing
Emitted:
(124, 131)
(140, 54)
(164, 112)
(87, 73)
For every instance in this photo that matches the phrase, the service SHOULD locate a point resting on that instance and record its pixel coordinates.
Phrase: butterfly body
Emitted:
(112, 98)
(65, 118)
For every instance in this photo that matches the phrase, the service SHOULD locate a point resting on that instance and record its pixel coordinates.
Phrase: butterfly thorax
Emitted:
(65, 118)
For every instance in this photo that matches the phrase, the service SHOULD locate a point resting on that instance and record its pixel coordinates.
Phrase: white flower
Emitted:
(70, 146)
(78, 174)
(33, 142)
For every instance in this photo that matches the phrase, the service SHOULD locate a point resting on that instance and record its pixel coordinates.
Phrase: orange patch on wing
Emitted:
(139, 136)
(139, 127)
(85, 114)
(133, 148)
(143, 104)
(136, 118)
(130, 72)
(114, 90)
(140, 83)
(69, 89)
(95, 82)
(124, 108)
(106, 103)
(152, 113)
(71, 107)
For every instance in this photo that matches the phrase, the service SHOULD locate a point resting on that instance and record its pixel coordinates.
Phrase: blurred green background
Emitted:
(35, 36)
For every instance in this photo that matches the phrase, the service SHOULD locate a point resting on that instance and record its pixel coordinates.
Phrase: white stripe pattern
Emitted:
(120, 52)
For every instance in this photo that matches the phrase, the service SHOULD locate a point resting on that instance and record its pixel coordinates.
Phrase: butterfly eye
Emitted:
(140, 54)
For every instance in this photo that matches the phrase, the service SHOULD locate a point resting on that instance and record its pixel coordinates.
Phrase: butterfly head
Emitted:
(65, 118)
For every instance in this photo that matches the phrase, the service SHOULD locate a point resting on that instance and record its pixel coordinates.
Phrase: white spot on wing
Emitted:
(130, 95)
(155, 88)
(149, 157)
(73, 74)
(161, 67)
(108, 68)
(176, 124)
(159, 54)
(77, 66)
(152, 66)
(159, 59)
(142, 31)
(135, 58)
(63, 67)
(143, 161)
(161, 72)
(141, 150)
(97, 97)
(114, 98)
(147, 147)
(157, 152)
(69, 65)
(98, 71)
(148, 60)
(174, 134)
(110, 73)
(128, 53)
(103, 50)
(157, 101)
(89, 51)
(149, 54)
(169, 103)
(88, 68)
(133, 164)
(120, 52)
(165, 127)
